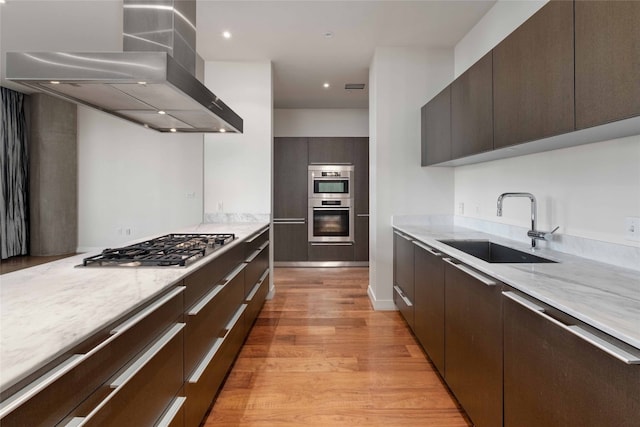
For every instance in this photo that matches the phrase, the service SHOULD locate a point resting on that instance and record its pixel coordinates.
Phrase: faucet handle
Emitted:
(541, 235)
(554, 230)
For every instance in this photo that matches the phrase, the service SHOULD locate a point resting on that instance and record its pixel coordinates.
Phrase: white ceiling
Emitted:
(292, 35)
(289, 33)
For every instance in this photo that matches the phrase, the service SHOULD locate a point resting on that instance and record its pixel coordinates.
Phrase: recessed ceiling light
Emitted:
(226, 34)
(1, 1)
(172, 130)
(54, 82)
(142, 83)
(146, 126)
(328, 34)
(326, 85)
(161, 112)
(222, 130)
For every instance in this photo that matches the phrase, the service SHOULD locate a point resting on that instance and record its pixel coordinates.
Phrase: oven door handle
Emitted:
(331, 243)
(330, 208)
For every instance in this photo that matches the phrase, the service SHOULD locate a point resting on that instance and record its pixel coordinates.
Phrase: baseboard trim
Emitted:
(380, 305)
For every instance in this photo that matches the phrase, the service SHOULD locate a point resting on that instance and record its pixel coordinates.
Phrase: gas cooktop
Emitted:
(169, 250)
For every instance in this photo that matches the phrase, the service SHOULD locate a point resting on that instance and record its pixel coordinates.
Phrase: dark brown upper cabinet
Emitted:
(607, 61)
(290, 193)
(533, 78)
(330, 150)
(435, 119)
(472, 110)
(361, 174)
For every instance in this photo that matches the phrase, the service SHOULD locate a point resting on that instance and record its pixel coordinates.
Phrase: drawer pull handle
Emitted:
(286, 220)
(301, 222)
(18, 399)
(626, 356)
(144, 313)
(195, 310)
(132, 370)
(258, 234)
(211, 354)
(401, 295)
(234, 273)
(427, 248)
(332, 244)
(470, 272)
(363, 215)
(171, 413)
(257, 252)
(257, 285)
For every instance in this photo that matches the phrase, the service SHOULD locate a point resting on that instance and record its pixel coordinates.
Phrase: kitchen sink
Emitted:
(494, 253)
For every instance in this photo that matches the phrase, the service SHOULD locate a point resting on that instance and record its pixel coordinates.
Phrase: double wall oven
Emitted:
(331, 217)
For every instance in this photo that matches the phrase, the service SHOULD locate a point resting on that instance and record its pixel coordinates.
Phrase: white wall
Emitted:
(134, 178)
(500, 21)
(237, 167)
(587, 190)
(401, 80)
(321, 122)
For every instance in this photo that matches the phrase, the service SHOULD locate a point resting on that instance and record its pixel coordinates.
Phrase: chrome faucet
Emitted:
(533, 233)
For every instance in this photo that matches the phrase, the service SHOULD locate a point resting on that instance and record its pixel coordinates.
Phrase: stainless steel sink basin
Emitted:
(494, 253)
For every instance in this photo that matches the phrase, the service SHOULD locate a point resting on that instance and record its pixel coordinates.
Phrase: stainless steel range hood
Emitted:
(154, 85)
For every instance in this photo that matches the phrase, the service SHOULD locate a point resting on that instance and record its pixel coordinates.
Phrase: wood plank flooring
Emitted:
(19, 262)
(319, 355)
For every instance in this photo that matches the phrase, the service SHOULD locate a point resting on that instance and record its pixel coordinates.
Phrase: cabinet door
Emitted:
(362, 237)
(429, 304)
(533, 78)
(555, 378)
(435, 120)
(473, 344)
(290, 241)
(403, 274)
(607, 61)
(330, 150)
(472, 110)
(361, 175)
(290, 178)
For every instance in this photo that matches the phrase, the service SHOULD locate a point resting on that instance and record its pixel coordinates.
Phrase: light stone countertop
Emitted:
(47, 309)
(601, 295)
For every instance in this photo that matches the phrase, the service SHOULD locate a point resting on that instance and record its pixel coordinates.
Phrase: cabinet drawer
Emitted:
(256, 241)
(141, 392)
(331, 252)
(404, 304)
(47, 400)
(256, 298)
(201, 281)
(257, 263)
(207, 318)
(202, 386)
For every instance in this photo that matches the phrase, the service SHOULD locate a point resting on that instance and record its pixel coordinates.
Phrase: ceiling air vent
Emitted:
(352, 86)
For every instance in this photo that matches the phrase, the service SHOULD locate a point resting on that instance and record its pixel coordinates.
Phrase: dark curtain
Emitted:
(14, 165)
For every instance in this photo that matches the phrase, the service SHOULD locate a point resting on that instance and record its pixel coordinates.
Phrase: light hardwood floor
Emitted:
(318, 355)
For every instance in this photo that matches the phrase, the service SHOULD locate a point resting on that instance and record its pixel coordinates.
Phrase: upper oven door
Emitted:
(330, 181)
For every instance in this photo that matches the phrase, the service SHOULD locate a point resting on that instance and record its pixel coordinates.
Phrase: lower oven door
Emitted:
(331, 224)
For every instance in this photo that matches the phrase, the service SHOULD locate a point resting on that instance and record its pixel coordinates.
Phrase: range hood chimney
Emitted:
(152, 82)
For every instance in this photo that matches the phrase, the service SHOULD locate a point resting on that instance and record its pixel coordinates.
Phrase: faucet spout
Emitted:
(532, 198)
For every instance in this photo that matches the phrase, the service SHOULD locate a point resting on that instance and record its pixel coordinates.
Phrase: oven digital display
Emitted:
(330, 186)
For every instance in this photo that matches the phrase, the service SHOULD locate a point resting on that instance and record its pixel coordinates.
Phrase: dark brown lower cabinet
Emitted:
(362, 237)
(403, 283)
(473, 344)
(290, 241)
(552, 377)
(429, 303)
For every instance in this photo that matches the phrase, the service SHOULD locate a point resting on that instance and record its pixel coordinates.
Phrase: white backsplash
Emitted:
(217, 218)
